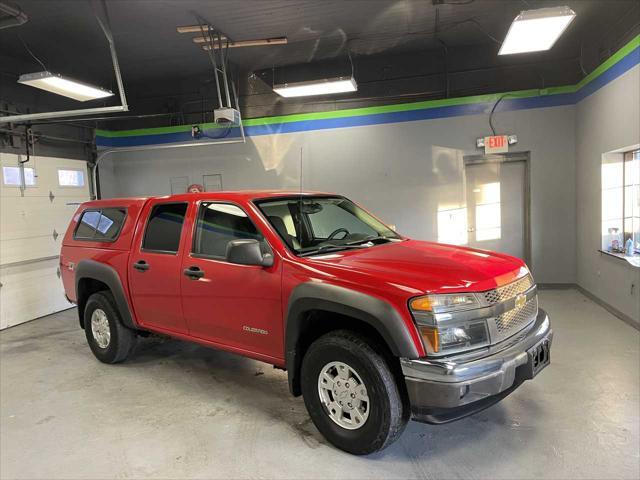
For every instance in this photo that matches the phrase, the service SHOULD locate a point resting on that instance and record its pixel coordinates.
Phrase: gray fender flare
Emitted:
(90, 269)
(377, 313)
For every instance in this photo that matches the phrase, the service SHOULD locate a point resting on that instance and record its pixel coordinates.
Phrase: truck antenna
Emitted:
(299, 232)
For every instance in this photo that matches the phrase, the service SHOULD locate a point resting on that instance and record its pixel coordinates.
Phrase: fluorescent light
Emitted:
(54, 83)
(536, 30)
(317, 87)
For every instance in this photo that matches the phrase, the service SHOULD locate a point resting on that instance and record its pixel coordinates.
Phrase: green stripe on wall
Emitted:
(610, 62)
(404, 107)
(352, 112)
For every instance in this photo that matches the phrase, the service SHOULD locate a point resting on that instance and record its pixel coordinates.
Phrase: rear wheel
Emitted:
(351, 393)
(109, 340)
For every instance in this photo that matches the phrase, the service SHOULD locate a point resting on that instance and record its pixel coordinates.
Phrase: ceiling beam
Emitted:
(191, 28)
(242, 43)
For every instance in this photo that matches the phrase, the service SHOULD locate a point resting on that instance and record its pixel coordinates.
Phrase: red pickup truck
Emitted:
(373, 328)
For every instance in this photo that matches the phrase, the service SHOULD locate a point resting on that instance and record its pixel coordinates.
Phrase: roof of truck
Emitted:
(243, 195)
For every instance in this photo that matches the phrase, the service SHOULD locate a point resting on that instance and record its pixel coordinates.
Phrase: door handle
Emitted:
(193, 272)
(141, 266)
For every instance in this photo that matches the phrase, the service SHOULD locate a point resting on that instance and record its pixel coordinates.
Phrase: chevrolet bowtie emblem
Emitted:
(521, 300)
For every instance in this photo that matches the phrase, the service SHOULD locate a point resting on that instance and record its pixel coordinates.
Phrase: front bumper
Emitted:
(442, 391)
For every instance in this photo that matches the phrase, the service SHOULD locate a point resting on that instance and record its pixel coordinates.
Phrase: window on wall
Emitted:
(488, 215)
(70, 178)
(11, 176)
(452, 226)
(621, 200)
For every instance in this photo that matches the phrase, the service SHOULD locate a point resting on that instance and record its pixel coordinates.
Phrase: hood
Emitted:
(428, 267)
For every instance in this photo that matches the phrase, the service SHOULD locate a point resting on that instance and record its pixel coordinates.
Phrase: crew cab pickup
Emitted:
(373, 328)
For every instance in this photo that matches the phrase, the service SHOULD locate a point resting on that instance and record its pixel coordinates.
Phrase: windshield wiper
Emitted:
(331, 248)
(370, 238)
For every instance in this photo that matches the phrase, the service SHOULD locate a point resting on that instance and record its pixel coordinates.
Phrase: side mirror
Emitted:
(247, 252)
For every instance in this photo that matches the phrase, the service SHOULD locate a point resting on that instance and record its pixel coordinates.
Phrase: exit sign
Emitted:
(496, 144)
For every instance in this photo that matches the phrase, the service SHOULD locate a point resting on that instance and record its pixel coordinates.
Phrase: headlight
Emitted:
(448, 339)
(440, 332)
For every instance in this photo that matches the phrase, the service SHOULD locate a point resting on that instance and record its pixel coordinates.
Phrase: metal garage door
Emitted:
(32, 225)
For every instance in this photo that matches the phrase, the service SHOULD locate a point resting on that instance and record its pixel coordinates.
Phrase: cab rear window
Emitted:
(101, 225)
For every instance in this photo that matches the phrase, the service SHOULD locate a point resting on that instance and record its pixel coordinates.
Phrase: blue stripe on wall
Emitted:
(624, 65)
(157, 139)
(507, 104)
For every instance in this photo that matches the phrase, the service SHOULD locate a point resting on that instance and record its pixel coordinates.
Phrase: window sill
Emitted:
(634, 261)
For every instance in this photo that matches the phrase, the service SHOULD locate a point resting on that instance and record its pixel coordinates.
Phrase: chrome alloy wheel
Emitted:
(100, 328)
(343, 395)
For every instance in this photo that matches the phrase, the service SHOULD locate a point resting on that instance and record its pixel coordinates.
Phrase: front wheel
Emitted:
(351, 394)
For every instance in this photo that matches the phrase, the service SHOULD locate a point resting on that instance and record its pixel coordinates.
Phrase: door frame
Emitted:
(171, 179)
(509, 158)
(204, 181)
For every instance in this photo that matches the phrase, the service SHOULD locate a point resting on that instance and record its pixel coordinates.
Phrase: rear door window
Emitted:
(102, 225)
(164, 228)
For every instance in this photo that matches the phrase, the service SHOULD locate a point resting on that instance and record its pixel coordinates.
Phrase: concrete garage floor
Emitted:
(177, 410)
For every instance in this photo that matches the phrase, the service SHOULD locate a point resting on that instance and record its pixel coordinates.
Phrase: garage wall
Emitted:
(605, 121)
(400, 171)
(32, 225)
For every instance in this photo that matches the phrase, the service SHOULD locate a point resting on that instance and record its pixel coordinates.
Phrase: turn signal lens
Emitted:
(422, 304)
(444, 303)
(430, 338)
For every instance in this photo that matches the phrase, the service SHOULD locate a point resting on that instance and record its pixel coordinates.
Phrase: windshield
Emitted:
(310, 225)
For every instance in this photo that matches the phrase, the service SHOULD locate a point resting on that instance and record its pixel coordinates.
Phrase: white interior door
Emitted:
(33, 221)
(496, 208)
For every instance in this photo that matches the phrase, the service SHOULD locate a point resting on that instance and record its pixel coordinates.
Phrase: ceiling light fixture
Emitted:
(54, 83)
(326, 86)
(536, 30)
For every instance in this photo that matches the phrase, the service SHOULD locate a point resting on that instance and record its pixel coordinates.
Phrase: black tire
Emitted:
(122, 339)
(388, 413)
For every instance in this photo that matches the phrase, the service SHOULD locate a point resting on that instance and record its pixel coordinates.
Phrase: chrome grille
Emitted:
(508, 291)
(515, 319)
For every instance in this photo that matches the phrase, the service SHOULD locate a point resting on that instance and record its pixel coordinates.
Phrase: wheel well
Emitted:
(86, 288)
(316, 323)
